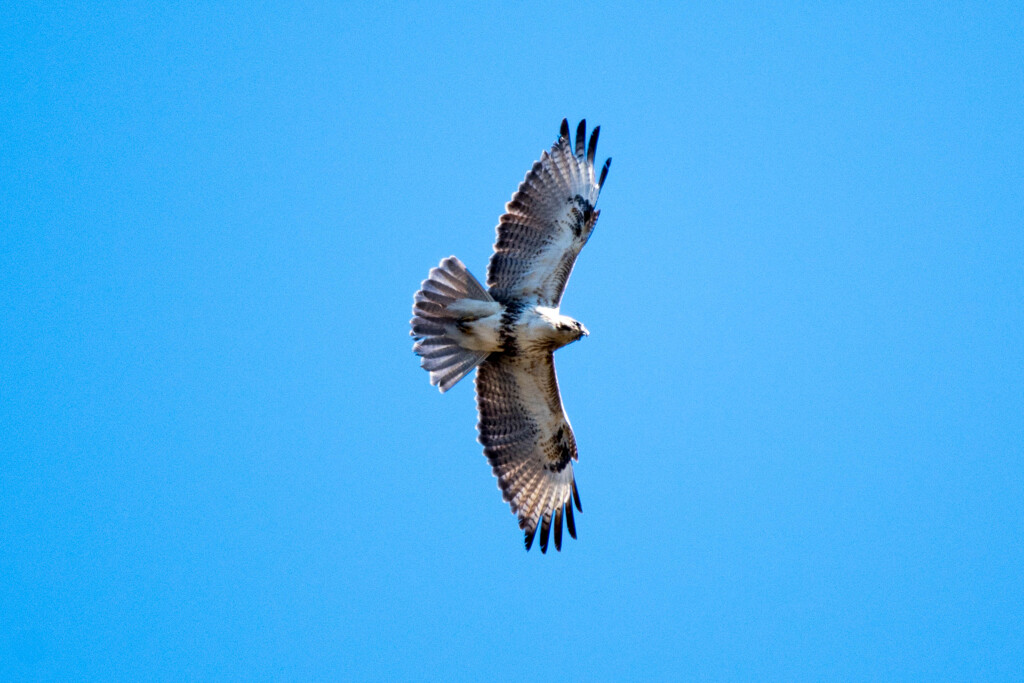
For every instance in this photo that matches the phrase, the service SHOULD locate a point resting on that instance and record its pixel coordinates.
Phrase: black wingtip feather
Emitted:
(604, 172)
(576, 496)
(529, 538)
(570, 522)
(564, 132)
(581, 137)
(558, 529)
(592, 145)
(545, 533)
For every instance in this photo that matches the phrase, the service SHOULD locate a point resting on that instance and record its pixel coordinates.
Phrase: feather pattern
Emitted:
(528, 441)
(547, 222)
(442, 356)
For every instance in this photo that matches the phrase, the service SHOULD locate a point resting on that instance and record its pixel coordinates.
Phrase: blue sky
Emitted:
(800, 411)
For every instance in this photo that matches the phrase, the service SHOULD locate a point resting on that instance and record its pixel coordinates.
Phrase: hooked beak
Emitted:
(584, 330)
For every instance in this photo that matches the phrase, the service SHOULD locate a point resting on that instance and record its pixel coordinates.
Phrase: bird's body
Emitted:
(510, 331)
(489, 327)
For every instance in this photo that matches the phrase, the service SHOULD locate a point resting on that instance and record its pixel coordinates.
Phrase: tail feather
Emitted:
(442, 357)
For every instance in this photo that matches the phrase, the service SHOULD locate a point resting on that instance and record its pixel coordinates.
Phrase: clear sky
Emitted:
(800, 411)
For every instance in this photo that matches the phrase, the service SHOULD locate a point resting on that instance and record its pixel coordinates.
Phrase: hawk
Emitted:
(510, 330)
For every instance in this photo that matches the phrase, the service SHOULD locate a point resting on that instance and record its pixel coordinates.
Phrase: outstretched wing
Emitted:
(547, 222)
(529, 443)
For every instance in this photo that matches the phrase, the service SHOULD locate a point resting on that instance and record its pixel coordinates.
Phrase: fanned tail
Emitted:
(432, 320)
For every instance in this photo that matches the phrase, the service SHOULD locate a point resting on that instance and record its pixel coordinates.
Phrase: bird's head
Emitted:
(570, 330)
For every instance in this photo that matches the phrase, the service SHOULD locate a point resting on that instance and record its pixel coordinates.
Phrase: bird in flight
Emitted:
(510, 330)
